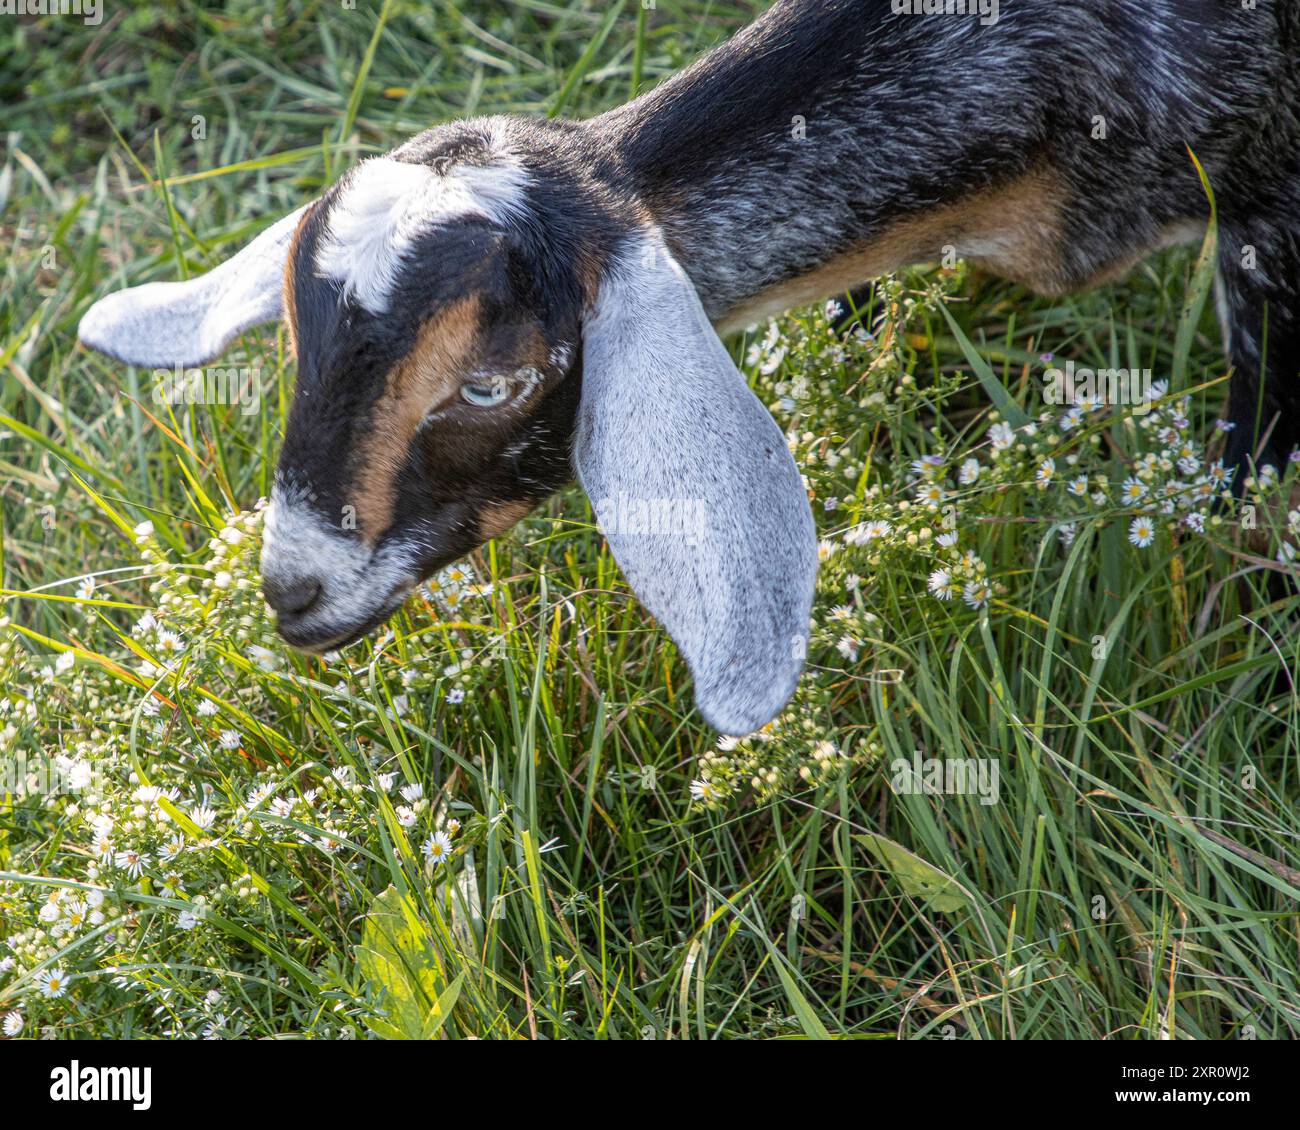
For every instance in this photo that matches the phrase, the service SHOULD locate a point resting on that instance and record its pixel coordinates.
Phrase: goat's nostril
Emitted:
(291, 597)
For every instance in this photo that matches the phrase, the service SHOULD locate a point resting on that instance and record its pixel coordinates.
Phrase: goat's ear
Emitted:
(190, 323)
(696, 491)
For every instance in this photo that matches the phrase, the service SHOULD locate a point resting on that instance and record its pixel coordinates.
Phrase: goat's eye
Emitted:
(486, 395)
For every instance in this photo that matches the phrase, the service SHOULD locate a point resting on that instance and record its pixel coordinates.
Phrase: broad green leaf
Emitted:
(922, 880)
(396, 960)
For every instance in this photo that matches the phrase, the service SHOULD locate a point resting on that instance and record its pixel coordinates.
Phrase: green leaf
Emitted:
(1002, 399)
(1207, 263)
(396, 960)
(922, 880)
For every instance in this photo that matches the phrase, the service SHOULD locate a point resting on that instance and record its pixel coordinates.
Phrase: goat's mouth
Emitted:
(320, 630)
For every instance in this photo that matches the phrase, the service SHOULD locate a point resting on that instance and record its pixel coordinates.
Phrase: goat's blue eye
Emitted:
(486, 395)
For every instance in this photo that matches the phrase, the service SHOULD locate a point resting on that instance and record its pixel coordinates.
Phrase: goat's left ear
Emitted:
(189, 323)
(695, 489)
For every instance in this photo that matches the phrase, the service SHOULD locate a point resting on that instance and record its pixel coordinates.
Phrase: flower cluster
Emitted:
(891, 508)
(174, 798)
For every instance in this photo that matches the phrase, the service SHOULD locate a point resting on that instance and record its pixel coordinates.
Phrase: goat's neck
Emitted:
(804, 139)
(798, 139)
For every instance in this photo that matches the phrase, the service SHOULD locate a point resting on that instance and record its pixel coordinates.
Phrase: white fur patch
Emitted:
(386, 205)
(356, 582)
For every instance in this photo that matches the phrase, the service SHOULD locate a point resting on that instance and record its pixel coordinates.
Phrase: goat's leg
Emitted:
(1260, 273)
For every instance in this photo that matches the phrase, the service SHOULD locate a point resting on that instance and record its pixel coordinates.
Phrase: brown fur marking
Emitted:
(426, 377)
(1014, 231)
(288, 292)
(496, 518)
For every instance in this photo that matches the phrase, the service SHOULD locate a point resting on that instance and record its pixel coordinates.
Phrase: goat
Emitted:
(499, 302)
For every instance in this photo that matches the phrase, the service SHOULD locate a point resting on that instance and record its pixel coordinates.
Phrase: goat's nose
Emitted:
(291, 596)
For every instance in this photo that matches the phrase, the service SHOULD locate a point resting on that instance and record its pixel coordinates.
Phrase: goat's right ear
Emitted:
(188, 323)
(694, 487)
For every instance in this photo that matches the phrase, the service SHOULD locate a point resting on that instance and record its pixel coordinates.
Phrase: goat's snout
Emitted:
(291, 595)
(327, 588)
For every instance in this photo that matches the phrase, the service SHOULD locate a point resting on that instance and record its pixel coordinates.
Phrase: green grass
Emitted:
(1135, 879)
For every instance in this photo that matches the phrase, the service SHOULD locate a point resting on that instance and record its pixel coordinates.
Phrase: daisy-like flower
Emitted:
(977, 593)
(1067, 534)
(705, 791)
(406, 816)
(1071, 419)
(1225, 425)
(187, 920)
(455, 696)
(75, 912)
(848, 647)
(258, 794)
(941, 584)
(1043, 476)
(53, 982)
(1141, 532)
(1218, 474)
(437, 848)
(386, 781)
(103, 848)
(171, 849)
(825, 550)
(1078, 486)
(13, 1023)
(167, 640)
(1133, 491)
(969, 473)
(229, 739)
(928, 466)
(203, 816)
(264, 657)
(65, 661)
(412, 793)
(931, 494)
(130, 861)
(86, 589)
(207, 708)
(1001, 436)
(946, 540)
(1195, 521)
